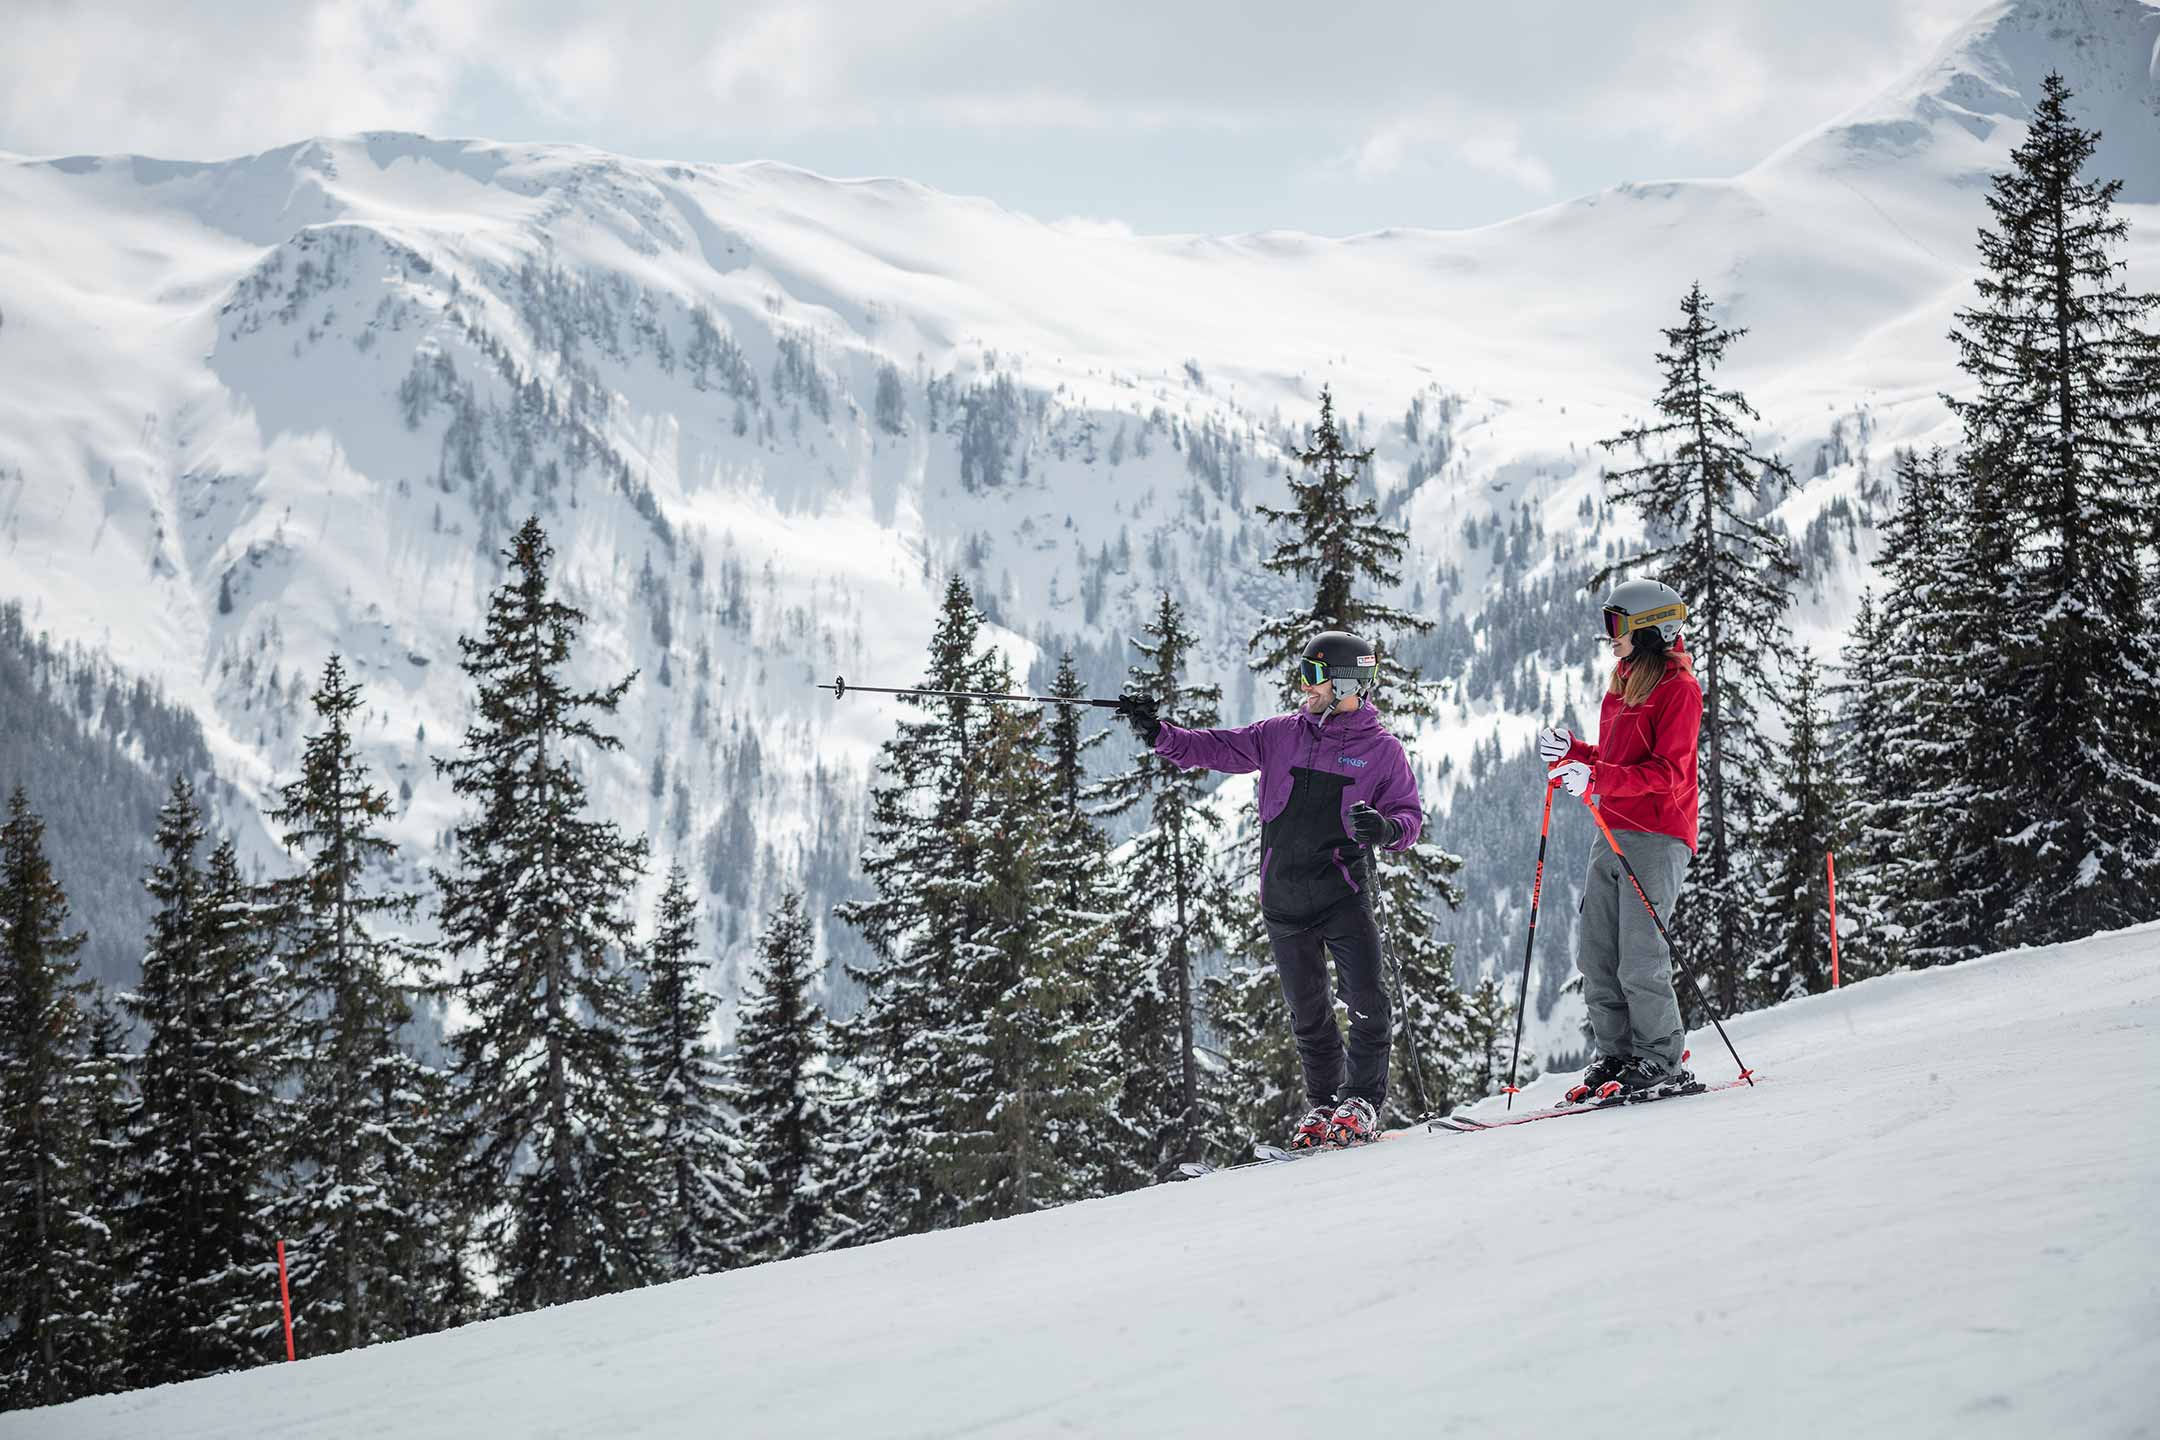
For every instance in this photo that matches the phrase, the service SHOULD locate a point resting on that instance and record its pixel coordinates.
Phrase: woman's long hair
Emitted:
(1635, 677)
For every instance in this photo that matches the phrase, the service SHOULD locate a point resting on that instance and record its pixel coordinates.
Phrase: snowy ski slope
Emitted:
(1934, 1217)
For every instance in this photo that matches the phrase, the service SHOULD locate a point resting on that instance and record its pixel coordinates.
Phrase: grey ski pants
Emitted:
(1626, 968)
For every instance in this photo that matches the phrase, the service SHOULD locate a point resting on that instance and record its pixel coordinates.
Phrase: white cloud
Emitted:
(1203, 104)
(148, 77)
(1410, 143)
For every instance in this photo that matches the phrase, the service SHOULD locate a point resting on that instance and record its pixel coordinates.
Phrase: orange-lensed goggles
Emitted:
(1618, 622)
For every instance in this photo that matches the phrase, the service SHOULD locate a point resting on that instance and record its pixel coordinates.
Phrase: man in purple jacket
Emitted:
(1332, 782)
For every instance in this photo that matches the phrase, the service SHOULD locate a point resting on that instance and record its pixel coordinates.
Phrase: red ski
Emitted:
(1465, 1125)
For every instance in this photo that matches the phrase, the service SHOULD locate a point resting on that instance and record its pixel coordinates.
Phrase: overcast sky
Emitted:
(1334, 117)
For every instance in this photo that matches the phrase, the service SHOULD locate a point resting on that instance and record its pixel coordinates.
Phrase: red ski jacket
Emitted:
(1642, 770)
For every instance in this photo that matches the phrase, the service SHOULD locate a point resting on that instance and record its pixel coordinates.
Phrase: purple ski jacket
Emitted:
(1313, 768)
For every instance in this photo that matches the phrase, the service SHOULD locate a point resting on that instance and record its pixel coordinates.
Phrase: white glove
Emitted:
(1574, 777)
(1553, 743)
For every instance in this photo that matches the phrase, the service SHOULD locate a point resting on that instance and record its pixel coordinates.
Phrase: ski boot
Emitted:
(1598, 1081)
(1353, 1123)
(1312, 1131)
(1643, 1078)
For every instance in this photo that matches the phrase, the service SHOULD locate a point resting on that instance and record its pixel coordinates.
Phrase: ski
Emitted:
(1466, 1125)
(1283, 1155)
(1266, 1154)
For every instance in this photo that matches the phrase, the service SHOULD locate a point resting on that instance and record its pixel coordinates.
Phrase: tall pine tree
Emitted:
(1178, 904)
(202, 1272)
(2062, 432)
(1795, 959)
(59, 1333)
(1857, 744)
(354, 1135)
(1333, 539)
(695, 1229)
(1926, 859)
(921, 855)
(1081, 901)
(791, 1189)
(538, 901)
(1028, 1076)
(1700, 487)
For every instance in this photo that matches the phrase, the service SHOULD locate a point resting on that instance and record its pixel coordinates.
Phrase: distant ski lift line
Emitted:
(840, 687)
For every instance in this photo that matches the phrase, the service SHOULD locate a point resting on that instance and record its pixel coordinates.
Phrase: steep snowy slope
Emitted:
(1930, 1219)
(254, 411)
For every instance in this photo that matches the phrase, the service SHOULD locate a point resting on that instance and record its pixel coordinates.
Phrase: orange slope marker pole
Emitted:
(284, 1291)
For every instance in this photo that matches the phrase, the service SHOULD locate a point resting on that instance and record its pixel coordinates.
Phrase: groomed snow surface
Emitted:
(1934, 1217)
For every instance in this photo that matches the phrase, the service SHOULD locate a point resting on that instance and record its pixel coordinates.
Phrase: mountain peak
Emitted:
(1947, 113)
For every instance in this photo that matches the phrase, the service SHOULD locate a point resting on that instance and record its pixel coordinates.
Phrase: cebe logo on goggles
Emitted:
(1618, 622)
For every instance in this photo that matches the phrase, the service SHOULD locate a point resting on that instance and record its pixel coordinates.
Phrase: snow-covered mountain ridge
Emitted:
(260, 409)
(1905, 1230)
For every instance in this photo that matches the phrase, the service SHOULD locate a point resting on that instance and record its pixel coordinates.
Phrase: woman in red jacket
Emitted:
(1641, 775)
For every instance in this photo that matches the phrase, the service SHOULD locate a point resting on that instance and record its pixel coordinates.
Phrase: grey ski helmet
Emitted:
(1639, 607)
(1339, 658)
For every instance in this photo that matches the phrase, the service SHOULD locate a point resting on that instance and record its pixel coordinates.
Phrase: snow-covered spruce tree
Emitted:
(537, 902)
(1485, 1036)
(58, 1318)
(1795, 958)
(786, 1180)
(1079, 894)
(2063, 427)
(201, 1289)
(1914, 825)
(1857, 744)
(440, 1289)
(352, 1212)
(1178, 905)
(1333, 539)
(1698, 486)
(695, 1230)
(1031, 1073)
(920, 855)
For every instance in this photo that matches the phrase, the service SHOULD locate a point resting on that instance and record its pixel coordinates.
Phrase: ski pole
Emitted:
(1522, 994)
(1674, 950)
(1402, 996)
(840, 687)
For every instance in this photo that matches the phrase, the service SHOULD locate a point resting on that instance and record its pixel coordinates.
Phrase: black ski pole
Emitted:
(1685, 968)
(1402, 999)
(1522, 994)
(840, 687)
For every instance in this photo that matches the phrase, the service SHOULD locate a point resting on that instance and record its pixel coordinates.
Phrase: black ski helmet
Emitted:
(1650, 610)
(1340, 658)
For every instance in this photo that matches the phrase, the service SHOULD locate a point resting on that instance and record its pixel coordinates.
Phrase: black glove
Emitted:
(1369, 827)
(1138, 711)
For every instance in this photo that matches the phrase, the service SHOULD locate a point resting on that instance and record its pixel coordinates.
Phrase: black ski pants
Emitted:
(1302, 950)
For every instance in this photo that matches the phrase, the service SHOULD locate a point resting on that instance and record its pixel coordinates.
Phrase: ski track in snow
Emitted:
(1934, 1218)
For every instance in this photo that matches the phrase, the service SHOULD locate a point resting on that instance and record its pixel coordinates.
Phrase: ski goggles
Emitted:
(1312, 672)
(1618, 622)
